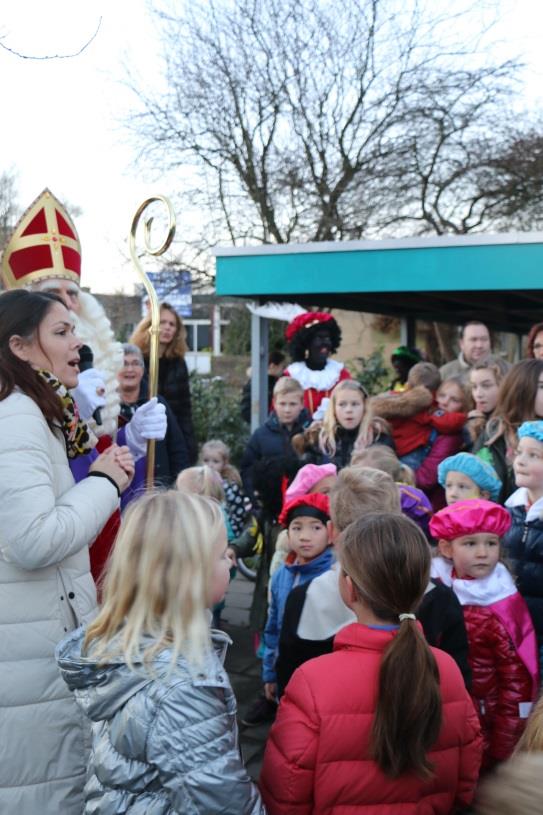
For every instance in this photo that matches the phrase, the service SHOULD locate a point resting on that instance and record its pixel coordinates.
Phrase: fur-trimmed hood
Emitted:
(401, 405)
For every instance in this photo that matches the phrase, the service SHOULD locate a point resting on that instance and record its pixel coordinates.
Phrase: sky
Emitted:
(62, 118)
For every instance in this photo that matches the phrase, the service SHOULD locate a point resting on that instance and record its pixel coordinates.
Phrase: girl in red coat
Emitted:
(501, 637)
(384, 724)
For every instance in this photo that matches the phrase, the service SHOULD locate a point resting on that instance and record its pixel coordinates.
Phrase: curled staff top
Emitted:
(153, 300)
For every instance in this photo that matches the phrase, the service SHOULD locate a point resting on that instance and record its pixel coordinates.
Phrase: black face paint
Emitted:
(319, 350)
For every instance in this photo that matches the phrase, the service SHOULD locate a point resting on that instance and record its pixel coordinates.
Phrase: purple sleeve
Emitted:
(137, 487)
(80, 465)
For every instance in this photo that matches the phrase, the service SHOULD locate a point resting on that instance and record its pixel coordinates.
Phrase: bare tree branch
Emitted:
(53, 56)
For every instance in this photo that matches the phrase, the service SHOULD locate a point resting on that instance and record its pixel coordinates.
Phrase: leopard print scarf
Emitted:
(77, 435)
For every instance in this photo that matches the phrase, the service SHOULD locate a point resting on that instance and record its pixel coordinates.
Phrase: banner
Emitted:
(174, 287)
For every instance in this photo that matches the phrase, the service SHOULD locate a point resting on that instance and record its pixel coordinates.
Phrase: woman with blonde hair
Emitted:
(149, 673)
(173, 374)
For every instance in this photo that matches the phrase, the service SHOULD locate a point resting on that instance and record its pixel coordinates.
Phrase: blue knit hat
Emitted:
(482, 473)
(534, 430)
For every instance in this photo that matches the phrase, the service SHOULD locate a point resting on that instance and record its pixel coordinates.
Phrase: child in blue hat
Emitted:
(466, 476)
(523, 543)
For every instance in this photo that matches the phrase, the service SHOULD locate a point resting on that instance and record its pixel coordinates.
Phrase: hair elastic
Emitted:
(403, 617)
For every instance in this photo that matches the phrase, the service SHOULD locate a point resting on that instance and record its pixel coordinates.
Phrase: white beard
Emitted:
(94, 329)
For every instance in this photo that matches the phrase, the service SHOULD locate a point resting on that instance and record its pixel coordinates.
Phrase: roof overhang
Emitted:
(495, 278)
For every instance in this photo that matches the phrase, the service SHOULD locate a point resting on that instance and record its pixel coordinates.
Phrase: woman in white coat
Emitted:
(46, 525)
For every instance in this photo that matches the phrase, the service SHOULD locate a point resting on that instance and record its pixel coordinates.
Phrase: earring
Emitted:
(306, 353)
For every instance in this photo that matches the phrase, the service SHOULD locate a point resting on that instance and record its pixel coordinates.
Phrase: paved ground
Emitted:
(244, 668)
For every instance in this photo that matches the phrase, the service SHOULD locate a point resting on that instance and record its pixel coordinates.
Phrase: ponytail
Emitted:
(408, 716)
(387, 558)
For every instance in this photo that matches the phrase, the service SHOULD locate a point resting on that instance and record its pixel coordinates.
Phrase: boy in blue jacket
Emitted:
(273, 439)
(306, 519)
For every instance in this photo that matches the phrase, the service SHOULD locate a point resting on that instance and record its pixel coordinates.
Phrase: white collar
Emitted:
(480, 592)
(520, 498)
(324, 613)
(319, 380)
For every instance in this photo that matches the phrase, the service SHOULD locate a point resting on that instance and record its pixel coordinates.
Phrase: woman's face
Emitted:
(450, 398)
(538, 407)
(168, 326)
(131, 373)
(349, 408)
(538, 345)
(53, 347)
(484, 389)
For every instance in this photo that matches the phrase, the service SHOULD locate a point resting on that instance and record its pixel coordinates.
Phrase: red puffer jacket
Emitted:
(502, 687)
(318, 753)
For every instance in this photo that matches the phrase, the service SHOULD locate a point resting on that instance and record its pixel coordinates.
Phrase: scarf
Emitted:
(78, 437)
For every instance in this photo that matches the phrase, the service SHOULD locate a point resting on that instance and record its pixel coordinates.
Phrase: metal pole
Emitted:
(259, 370)
(408, 332)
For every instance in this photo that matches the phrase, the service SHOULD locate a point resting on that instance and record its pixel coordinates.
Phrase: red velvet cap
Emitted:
(44, 244)
(316, 503)
(469, 518)
(307, 320)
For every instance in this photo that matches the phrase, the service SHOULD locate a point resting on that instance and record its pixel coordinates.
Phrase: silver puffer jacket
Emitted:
(163, 744)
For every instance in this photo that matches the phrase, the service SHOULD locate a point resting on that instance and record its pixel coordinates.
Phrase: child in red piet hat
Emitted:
(501, 637)
(313, 337)
(306, 519)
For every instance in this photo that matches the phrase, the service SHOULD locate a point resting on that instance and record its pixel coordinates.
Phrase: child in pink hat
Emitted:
(312, 478)
(501, 637)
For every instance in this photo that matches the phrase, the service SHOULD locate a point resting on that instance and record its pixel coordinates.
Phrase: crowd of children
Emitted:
(398, 609)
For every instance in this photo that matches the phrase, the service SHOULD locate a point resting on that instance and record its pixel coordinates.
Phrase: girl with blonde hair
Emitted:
(216, 454)
(149, 673)
(202, 480)
(348, 425)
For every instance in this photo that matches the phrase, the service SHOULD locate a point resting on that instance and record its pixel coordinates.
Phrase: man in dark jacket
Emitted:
(274, 438)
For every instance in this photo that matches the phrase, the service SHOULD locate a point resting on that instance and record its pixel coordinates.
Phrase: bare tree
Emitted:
(8, 205)
(303, 120)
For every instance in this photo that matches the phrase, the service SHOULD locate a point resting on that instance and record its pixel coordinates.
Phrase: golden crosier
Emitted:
(153, 300)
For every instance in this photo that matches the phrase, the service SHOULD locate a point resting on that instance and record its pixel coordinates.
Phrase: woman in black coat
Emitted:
(173, 375)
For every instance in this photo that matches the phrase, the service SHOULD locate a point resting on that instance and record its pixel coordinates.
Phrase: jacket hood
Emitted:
(101, 689)
(402, 405)
(520, 498)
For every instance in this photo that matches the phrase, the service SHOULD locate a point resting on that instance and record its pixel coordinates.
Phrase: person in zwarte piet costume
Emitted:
(44, 254)
(313, 337)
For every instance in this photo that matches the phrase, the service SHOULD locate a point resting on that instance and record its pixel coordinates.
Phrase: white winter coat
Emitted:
(46, 590)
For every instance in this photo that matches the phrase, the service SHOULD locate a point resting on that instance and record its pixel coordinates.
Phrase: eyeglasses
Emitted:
(134, 364)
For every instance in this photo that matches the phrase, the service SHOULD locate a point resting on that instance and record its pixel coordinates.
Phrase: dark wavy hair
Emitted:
(534, 331)
(21, 314)
(302, 340)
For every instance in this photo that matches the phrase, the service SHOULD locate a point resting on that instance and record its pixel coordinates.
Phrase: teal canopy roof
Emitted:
(495, 278)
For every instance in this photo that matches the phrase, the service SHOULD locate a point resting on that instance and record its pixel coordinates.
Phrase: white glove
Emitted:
(148, 422)
(90, 392)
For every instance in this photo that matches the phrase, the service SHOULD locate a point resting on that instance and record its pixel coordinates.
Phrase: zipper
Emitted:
(524, 533)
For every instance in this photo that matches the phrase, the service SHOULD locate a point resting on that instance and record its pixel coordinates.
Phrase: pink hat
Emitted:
(469, 518)
(307, 477)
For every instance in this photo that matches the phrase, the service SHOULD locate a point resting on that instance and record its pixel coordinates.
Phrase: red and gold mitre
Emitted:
(43, 244)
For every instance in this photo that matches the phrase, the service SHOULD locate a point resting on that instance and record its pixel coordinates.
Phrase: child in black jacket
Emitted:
(273, 439)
